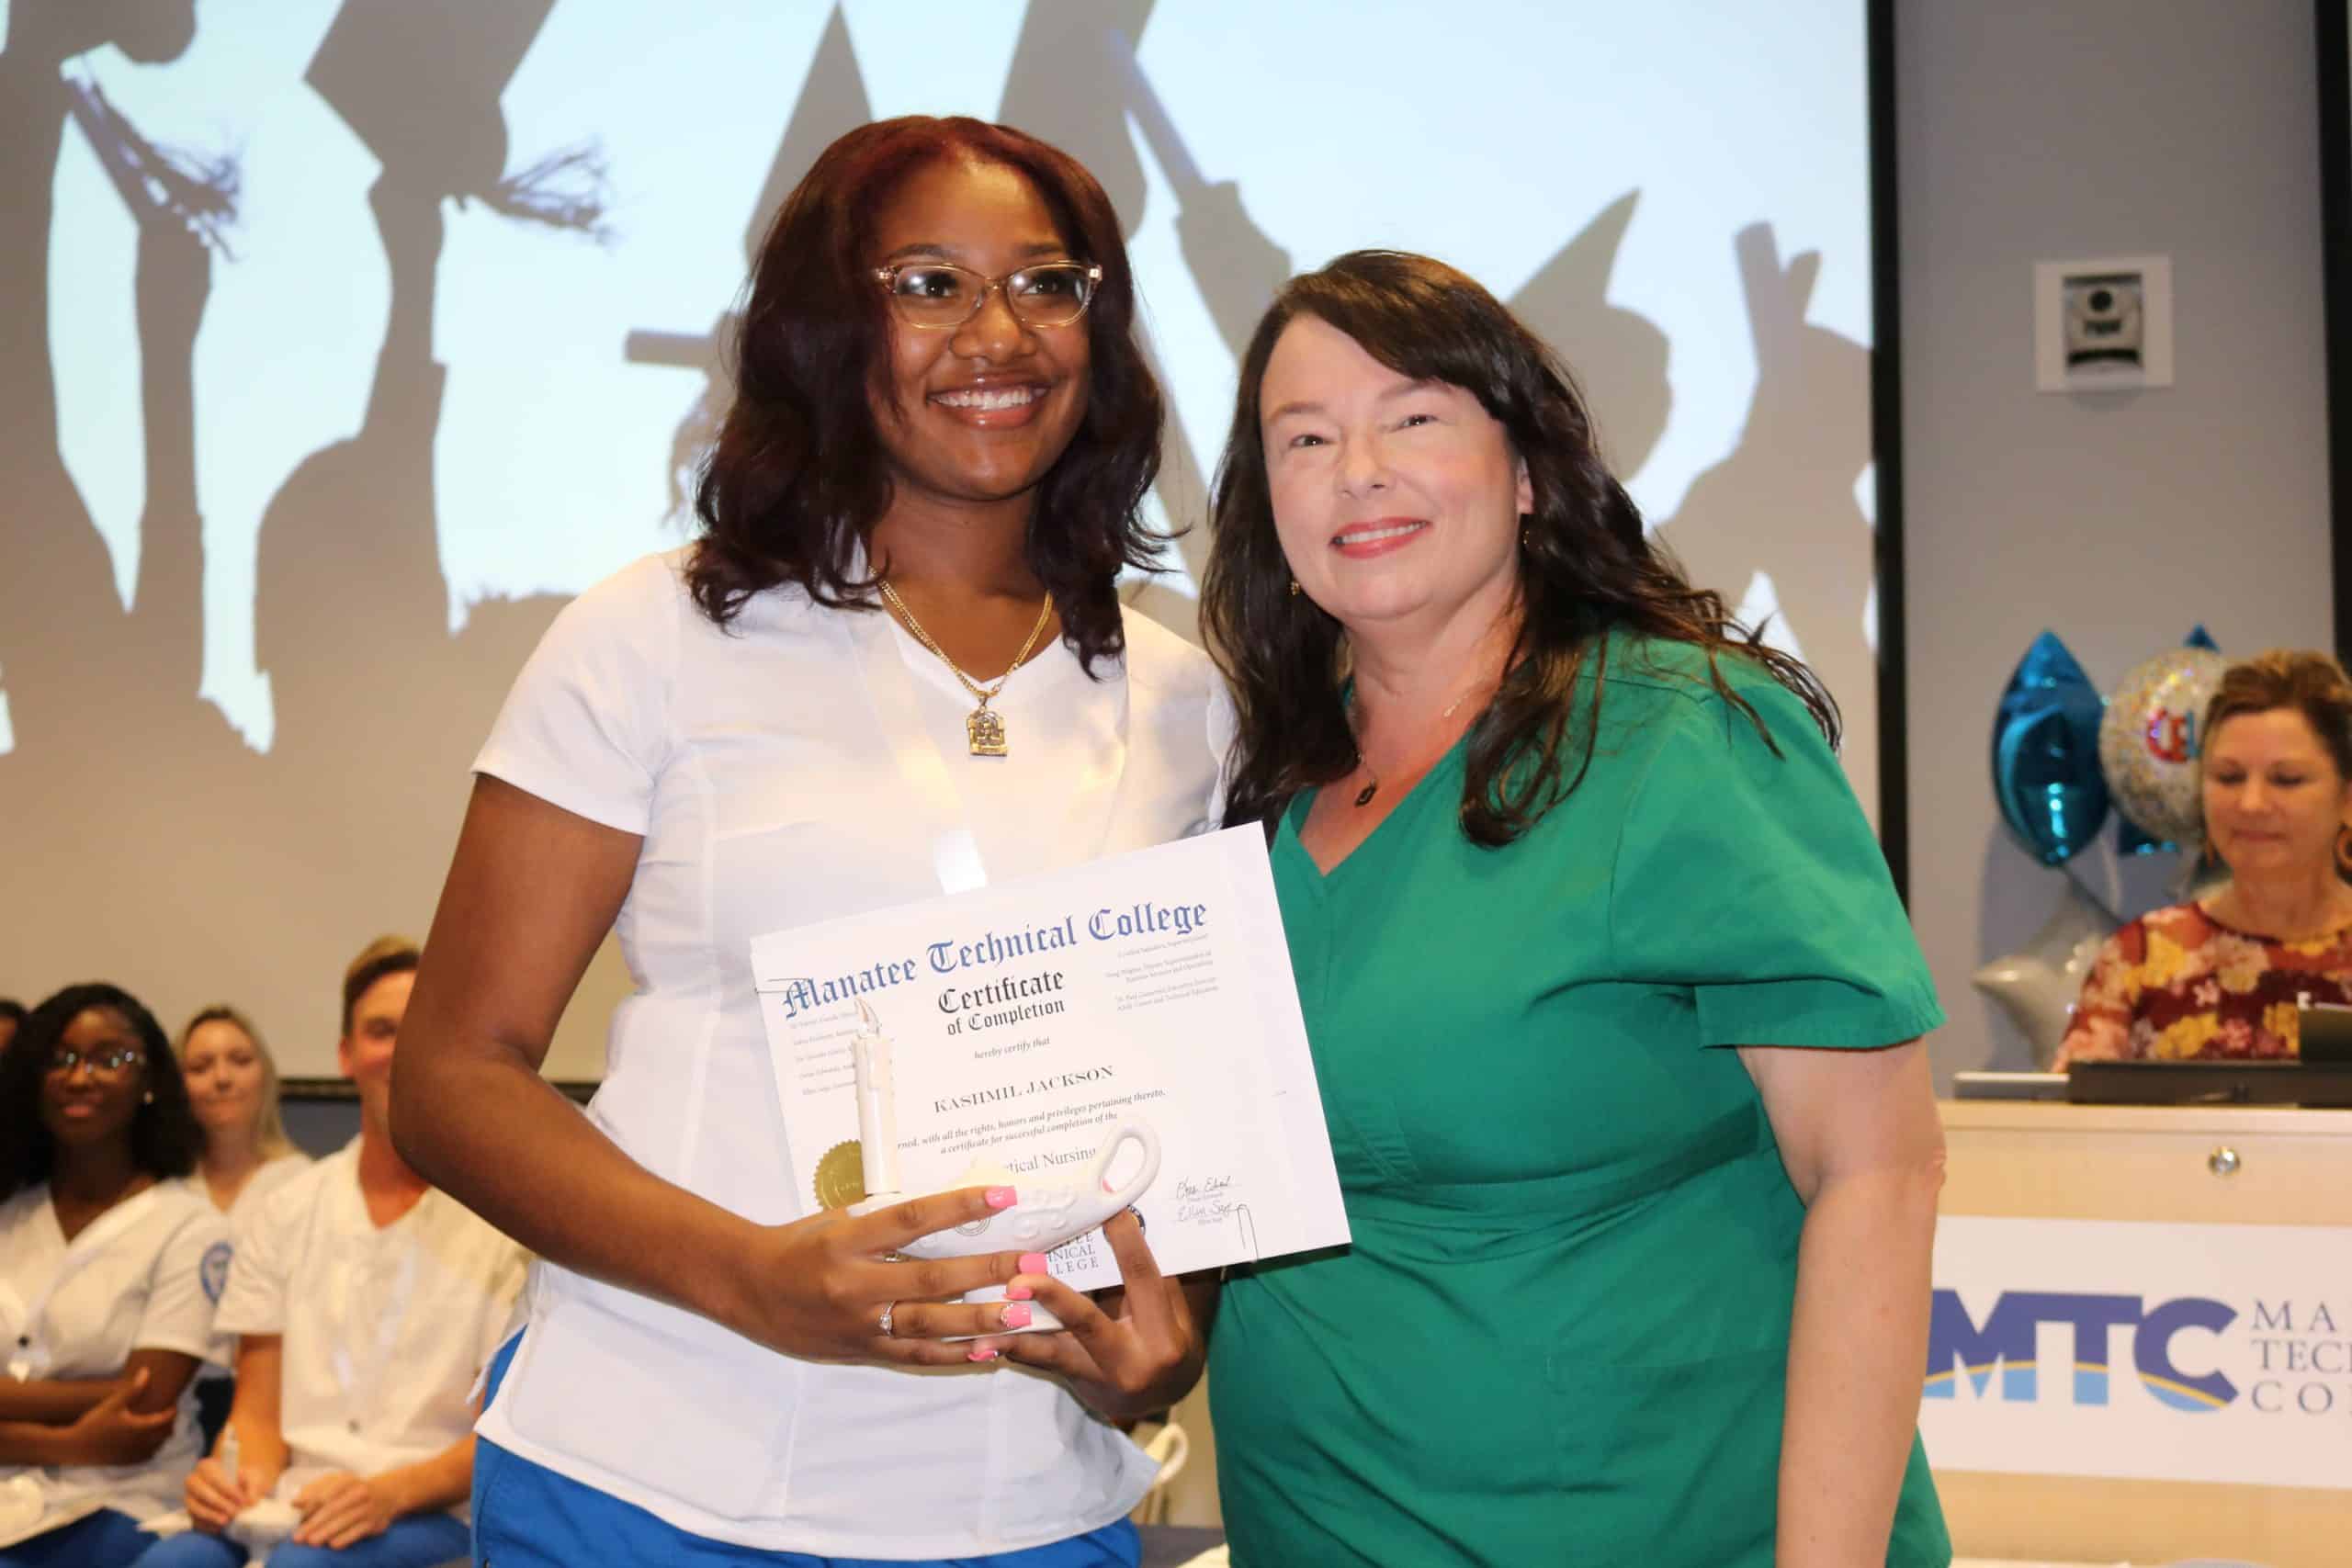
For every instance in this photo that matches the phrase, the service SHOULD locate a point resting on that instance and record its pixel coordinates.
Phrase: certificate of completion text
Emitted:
(1029, 1020)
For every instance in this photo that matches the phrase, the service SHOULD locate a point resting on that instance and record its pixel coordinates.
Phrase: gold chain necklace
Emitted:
(1364, 796)
(983, 726)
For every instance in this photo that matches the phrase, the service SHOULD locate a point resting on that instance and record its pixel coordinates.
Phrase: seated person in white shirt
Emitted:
(364, 1305)
(232, 1089)
(109, 1271)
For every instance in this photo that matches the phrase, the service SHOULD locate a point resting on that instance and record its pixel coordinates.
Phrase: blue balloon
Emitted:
(2046, 754)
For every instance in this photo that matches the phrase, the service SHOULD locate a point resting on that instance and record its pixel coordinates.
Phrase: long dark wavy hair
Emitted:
(1586, 566)
(165, 1137)
(799, 476)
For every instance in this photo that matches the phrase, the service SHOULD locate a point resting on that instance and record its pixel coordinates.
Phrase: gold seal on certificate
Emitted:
(841, 1177)
(1122, 1030)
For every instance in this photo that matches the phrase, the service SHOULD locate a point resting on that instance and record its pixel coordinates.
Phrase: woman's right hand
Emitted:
(816, 1288)
(213, 1500)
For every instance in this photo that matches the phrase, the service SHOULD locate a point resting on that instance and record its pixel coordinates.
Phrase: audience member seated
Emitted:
(365, 1304)
(109, 1267)
(232, 1086)
(2220, 976)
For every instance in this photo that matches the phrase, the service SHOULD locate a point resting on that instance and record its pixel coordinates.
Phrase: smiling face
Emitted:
(365, 1053)
(88, 1104)
(1396, 501)
(225, 1076)
(977, 414)
(2274, 800)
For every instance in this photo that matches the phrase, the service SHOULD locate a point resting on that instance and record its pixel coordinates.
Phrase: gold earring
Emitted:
(1293, 588)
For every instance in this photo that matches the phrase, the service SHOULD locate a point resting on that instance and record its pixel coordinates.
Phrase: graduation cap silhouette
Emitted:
(419, 82)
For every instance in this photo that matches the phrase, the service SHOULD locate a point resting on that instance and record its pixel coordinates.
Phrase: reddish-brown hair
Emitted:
(799, 476)
(2311, 684)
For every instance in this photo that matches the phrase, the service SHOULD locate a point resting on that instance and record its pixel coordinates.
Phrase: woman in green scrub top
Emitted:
(1615, 1010)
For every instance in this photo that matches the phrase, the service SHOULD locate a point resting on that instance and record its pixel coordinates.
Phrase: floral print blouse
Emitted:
(2177, 986)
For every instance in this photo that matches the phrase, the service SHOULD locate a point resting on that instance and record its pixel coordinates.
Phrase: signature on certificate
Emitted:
(1205, 1200)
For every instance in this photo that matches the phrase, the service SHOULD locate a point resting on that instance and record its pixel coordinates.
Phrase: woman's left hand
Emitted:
(111, 1433)
(1136, 1353)
(340, 1509)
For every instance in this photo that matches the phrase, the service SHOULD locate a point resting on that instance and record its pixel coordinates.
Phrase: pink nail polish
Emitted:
(1032, 1263)
(1016, 1317)
(1003, 1198)
(982, 1356)
(1018, 1293)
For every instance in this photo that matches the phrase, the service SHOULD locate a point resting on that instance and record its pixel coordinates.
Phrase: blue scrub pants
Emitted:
(526, 1516)
(414, 1540)
(107, 1539)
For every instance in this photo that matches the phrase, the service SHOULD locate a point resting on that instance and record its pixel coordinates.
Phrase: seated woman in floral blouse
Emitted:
(2220, 976)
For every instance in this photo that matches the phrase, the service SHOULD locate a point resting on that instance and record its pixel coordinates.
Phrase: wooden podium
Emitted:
(2180, 1164)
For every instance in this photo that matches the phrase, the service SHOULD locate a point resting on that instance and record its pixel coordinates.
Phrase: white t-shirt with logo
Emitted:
(384, 1329)
(143, 1276)
(803, 765)
(220, 1360)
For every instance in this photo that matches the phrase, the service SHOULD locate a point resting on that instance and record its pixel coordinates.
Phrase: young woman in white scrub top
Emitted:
(943, 432)
(109, 1267)
(232, 1089)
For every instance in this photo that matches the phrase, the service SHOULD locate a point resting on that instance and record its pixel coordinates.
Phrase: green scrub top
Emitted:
(1561, 1331)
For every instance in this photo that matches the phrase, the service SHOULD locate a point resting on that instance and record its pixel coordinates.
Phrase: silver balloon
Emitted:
(2038, 985)
(2148, 743)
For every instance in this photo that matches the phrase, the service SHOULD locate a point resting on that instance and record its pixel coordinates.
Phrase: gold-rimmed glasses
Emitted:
(934, 295)
(108, 1059)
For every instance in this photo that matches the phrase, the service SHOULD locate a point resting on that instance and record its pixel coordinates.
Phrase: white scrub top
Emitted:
(143, 1276)
(807, 764)
(266, 1179)
(220, 1360)
(384, 1328)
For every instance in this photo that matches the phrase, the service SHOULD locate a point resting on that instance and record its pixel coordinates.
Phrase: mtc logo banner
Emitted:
(2006, 1342)
(2139, 1350)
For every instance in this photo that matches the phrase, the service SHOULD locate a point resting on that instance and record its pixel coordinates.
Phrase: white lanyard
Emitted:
(358, 1370)
(27, 1359)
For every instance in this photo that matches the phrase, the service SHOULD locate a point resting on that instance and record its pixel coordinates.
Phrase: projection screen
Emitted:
(346, 339)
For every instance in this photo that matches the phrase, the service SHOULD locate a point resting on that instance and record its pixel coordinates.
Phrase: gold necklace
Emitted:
(983, 726)
(1364, 796)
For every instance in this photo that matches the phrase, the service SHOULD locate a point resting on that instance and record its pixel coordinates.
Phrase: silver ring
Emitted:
(888, 1308)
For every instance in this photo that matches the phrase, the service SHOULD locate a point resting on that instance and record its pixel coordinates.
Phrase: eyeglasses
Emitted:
(109, 1059)
(936, 295)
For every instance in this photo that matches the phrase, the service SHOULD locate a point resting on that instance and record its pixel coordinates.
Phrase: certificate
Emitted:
(1029, 1021)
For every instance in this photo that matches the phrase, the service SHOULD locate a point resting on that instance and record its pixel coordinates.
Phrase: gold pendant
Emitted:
(984, 727)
